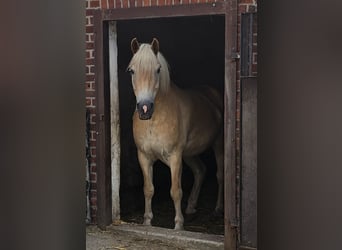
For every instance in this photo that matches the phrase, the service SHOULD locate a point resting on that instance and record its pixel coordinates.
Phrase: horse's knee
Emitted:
(148, 191)
(176, 193)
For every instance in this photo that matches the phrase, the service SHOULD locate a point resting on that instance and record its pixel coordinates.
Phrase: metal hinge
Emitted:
(235, 55)
(234, 224)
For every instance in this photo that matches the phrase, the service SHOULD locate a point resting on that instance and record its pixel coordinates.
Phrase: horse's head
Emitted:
(145, 69)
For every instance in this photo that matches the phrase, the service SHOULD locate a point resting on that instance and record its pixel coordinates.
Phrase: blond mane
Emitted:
(145, 60)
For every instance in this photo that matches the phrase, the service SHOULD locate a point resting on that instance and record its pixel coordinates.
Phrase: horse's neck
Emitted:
(164, 97)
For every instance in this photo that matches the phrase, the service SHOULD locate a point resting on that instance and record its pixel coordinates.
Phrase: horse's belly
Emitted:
(199, 145)
(202, 136)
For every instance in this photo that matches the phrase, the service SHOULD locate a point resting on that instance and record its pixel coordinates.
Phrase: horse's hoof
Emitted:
(190, 210)
(147, 223)
(179, 227)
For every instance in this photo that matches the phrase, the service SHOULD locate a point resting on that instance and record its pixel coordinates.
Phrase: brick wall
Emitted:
(90, 98)
(90, 88)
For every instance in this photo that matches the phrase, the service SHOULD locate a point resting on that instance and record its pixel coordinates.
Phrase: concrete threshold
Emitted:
(189, 240)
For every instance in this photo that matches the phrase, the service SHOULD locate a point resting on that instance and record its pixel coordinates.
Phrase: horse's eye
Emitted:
(158, 70)
(131, 71)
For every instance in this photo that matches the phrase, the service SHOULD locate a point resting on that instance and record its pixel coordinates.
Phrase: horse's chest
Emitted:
(154, 140)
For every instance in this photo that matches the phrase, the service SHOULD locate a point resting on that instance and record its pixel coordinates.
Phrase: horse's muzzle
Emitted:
(145, 110)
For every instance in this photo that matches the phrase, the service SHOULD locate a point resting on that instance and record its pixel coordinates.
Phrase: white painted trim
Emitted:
(114, 120)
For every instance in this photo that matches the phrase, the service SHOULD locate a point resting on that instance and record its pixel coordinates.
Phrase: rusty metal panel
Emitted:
(248, 222)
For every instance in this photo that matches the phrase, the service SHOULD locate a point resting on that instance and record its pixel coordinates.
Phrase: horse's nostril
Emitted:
(144, 108)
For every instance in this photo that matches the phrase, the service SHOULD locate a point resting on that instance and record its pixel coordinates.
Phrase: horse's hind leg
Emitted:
(218, 150)
(198, 170)
(146, 165)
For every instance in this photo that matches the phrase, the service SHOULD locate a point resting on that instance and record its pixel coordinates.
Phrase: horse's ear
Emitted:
(155, 46)
(134, 45)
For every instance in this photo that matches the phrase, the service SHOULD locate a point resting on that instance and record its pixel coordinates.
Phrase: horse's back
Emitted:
(213, 96)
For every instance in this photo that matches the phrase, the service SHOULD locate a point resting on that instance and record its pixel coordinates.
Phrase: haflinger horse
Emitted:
(171, 124)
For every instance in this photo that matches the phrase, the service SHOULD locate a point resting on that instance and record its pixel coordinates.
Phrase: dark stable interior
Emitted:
(194, 49)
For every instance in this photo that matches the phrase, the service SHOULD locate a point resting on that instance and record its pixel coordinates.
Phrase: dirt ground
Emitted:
(103, 240)
(113, 239)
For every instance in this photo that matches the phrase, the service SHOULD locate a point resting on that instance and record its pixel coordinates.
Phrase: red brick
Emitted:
(90, 86)
(124, 3)
(90, 69)
(110, 4)
(146, 3)
(92, 119)
(254, 68)
(153, 2)
(104, 4)
(90, 95)
(131, 3)
(242, 8)
(90, 29)
(92, 126)
(89, 54)
(168, 2)
(94, 4)
(93, 201)
(255, 58)
(93, 152)
(89, 12)
(138, 3)
(90, 78)
(93, 160)
(93, 137)
(93, 169)
(88, 102)
(89, 45)
(93, 176)
(246, 1)
(87, 21)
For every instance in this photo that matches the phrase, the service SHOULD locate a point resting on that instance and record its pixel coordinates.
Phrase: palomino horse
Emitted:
(171, 124)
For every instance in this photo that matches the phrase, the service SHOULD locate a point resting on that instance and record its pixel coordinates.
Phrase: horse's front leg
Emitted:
(176, 189)
(146, 165)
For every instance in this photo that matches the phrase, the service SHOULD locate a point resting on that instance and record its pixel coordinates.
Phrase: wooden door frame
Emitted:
(103, 154)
